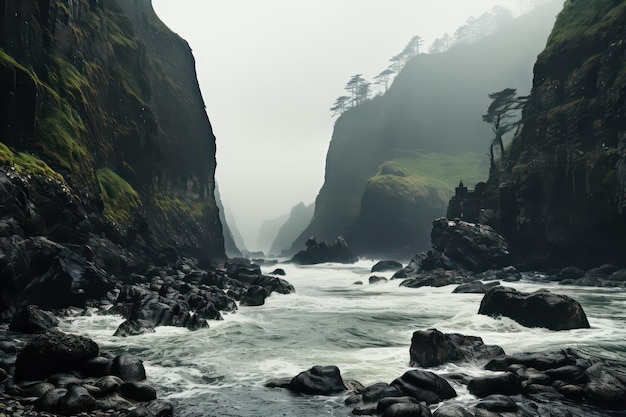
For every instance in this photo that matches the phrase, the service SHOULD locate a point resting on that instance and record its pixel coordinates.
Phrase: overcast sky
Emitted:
(270, 70)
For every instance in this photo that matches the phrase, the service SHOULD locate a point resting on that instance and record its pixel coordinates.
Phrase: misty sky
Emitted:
(270, 70)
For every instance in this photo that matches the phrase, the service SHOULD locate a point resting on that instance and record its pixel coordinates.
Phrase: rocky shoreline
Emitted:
(58, 257)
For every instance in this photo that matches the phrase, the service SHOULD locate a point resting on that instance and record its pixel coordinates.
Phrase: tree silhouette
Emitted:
(340, 106)
(413, 47)
(440, 45)
(362, 93)
(503, 116)
(353, 88)
(384, 77)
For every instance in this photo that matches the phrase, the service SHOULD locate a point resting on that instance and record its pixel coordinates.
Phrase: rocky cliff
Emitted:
(394, 161)
(562, 196)
(101, 98)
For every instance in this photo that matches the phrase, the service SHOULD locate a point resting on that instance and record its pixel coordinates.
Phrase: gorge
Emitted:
(110, 219)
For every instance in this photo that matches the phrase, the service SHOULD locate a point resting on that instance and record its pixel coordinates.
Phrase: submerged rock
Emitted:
(388, 265)
(321, 252)
(538, 309)
(319, 380)
(433, 348)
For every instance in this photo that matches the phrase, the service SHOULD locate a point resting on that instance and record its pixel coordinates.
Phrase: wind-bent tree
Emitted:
(340, 106)
(384, 77)
(503, 116)
(397, 62)
(413, 47)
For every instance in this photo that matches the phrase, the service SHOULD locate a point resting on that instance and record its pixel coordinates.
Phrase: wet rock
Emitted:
(452, 410)
(274, 284)
(435, 278)
(402, 407)
(538, 309)
(114, 402)
(607, 385)
(540, 360)
(77, 400)
(475, 287)
(321, 252)
(388, 265)
(160, 408)
(278, 271)
(507, 383)
(375, 280)
(319, 380)
(97, 367)
(128, 368)
(474, 247)
(31, 319)
(134, 328)
(255, 296)
(50, 400)
(570, 272)
(424, 386)
(278, 382)
(51, 352)
(377, 391)
(568, 373)
(433, 348)
(497, 404)
(137, 391)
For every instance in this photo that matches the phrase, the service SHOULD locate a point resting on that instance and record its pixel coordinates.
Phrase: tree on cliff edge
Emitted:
(503, 117)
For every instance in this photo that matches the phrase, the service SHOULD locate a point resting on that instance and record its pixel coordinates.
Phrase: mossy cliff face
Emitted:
(101, 94)
(564, 192)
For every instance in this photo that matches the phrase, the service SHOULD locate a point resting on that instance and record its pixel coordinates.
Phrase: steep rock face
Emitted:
(102, 96)
(429, 118)
(564, 191)
(299, 218)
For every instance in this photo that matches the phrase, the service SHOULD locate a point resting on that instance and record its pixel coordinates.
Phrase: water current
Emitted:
(365, 330)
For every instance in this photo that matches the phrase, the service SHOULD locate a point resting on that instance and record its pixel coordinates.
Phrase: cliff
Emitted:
(101, 97)
(394, 161)
(299, 218)
(562, 197)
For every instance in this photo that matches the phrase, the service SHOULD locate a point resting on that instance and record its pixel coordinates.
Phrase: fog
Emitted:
(270, 70)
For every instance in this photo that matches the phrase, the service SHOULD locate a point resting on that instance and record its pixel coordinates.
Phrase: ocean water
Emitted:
(365, 330)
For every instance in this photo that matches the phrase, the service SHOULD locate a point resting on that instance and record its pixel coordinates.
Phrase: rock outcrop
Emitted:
(560, 196)
(321, 252)
(433, 348)
(475, 247)
(538, 309)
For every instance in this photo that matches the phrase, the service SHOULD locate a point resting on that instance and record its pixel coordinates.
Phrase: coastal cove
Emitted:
(364, 330)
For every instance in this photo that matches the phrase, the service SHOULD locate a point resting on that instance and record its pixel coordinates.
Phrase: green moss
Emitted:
(413, 174)
(62, 131)
(26, 163)
(119, 197)
(558, 111)
(173, 206)
(7, 157)
(64, 78)
(520, 171)
(582, 19)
